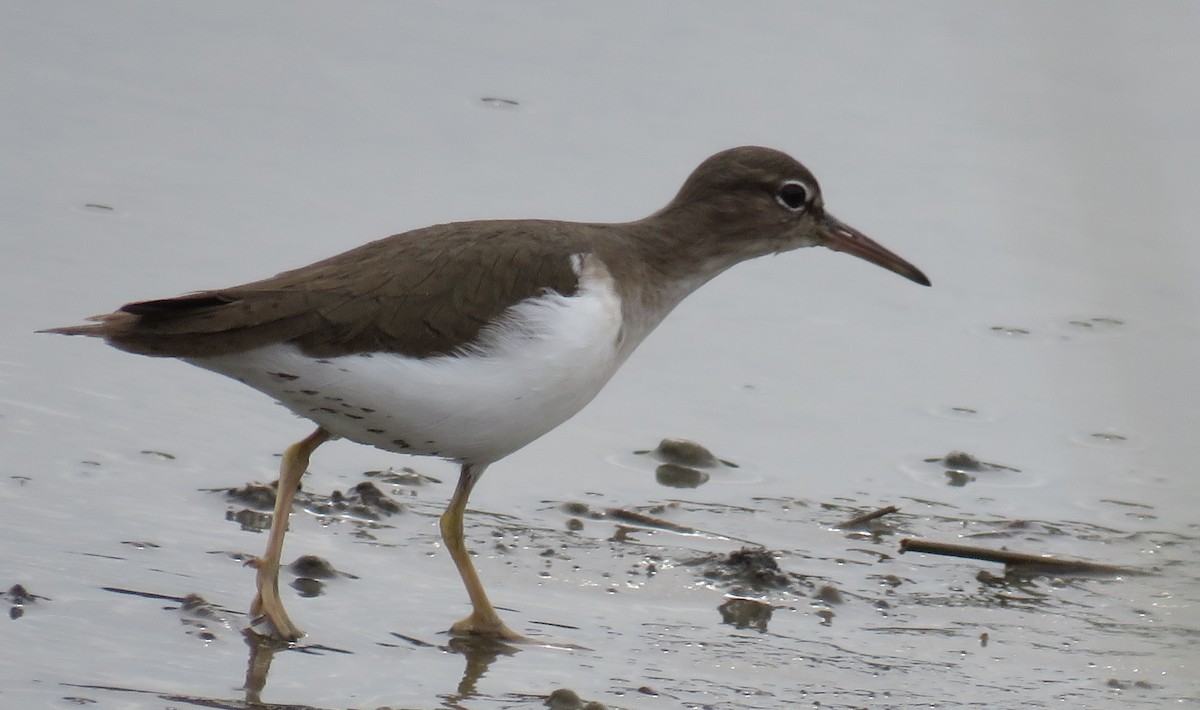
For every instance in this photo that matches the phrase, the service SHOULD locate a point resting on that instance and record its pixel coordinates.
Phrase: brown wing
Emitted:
(420, 293)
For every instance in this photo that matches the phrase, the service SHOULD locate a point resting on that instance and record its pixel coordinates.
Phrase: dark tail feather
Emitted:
(177, 306)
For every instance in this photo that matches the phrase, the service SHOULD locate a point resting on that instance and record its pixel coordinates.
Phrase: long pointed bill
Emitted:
(840, 236)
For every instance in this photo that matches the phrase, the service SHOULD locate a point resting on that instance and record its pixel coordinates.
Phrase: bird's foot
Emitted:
(280, 629)
(267, 615)
(487, 626)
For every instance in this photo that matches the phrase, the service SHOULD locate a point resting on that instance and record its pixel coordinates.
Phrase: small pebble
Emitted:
(564, 699)
(312, 566)
(829, 594)
(686, 452)
(961, 461)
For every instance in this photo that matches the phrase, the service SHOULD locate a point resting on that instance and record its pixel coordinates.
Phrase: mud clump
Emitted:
(365, 500)
(312, 566)
(567, 699)
(753, 568)
(746, 613)
(255, 496)
(19, 598)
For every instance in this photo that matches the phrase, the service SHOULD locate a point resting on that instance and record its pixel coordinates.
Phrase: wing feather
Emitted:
(421, 293)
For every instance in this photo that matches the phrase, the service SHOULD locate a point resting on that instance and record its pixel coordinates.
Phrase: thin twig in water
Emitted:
(868, 517)
(1026, 561)
(632, 516)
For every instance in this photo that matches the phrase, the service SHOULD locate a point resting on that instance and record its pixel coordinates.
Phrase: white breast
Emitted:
(529, 371)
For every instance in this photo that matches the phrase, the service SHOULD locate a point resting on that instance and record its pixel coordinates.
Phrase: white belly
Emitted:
(529, 371)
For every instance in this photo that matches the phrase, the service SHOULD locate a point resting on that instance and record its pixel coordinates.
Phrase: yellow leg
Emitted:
(267, 602)
(483, 620)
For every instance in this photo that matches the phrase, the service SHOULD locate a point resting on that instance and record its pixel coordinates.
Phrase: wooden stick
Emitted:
(632, 516)
(868, 517)
(1021, 559)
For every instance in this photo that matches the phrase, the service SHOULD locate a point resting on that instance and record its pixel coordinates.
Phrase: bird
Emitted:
(469, 340)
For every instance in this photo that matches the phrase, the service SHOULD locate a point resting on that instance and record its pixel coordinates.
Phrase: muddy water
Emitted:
(1039, 399)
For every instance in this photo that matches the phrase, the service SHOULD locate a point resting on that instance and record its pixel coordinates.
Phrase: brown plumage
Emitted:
(420, 293)
(429, 291)
(433, 292)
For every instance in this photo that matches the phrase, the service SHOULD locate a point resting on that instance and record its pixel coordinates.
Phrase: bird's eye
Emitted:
(794, 195)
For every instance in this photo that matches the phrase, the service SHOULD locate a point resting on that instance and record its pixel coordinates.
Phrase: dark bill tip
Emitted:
(840, 236)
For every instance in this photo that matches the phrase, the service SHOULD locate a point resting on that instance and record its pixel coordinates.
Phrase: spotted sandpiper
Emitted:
(469, 340)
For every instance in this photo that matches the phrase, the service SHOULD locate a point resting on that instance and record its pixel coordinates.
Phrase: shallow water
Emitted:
(1036, 161)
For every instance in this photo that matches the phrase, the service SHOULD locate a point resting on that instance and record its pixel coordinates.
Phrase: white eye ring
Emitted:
(794, 195)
